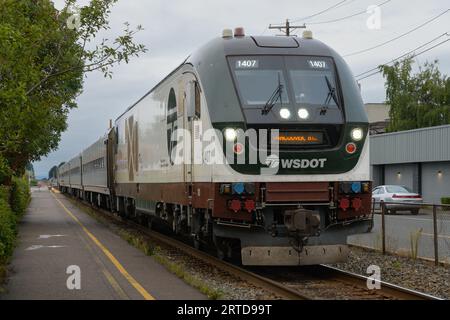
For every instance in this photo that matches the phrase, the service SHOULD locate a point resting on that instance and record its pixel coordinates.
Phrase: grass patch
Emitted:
(397, 265)
(414, 238)
(179, 271)
(138, 242)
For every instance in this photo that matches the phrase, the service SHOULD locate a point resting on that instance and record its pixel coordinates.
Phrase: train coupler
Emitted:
(302, 223)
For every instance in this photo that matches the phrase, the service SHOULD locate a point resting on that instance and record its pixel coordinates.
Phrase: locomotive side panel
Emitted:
(149, 155)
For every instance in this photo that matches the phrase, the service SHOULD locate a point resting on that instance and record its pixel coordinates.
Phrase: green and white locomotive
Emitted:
(258, 145)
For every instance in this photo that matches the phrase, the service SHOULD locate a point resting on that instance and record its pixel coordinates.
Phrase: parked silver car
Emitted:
(404, 199)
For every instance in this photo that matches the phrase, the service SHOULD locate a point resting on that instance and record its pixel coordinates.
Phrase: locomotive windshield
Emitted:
(305, 81)
(258, 77)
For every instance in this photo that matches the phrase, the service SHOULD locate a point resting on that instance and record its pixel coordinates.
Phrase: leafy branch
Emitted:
(93, 19)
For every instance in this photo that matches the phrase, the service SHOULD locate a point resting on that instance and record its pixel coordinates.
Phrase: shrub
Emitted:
(7, 226)
(13, 202)
(445, 200)
(5, 171)
(20, 196)
(4, 193)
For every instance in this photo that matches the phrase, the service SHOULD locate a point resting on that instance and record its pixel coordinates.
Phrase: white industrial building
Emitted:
(418, 159)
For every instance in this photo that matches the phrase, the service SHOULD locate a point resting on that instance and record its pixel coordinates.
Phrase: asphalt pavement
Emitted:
(63, 253)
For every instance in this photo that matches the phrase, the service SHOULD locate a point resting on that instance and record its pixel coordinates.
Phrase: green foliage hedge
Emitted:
(13, 202)
(20, 195)
(4, 169)
(445, 200)
(7, 226)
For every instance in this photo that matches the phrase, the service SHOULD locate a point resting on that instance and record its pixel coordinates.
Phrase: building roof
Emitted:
(420, 145)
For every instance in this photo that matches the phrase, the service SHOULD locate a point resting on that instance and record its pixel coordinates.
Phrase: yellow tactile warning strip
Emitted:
(114, 261)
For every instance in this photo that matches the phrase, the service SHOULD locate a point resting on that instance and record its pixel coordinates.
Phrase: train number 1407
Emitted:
(247, 64)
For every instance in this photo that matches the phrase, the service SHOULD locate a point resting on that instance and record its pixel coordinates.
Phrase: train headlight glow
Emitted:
(303, 114)
(357, 134)
(285, 113)
(230, 134)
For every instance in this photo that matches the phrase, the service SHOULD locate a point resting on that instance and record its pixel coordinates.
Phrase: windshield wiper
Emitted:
(276, 95)
(331, 95)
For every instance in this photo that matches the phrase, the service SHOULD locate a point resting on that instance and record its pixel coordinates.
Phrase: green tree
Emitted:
(44, 55)
(417, 100)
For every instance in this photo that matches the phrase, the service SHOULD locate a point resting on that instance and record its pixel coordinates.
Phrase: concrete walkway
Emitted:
(61, 248)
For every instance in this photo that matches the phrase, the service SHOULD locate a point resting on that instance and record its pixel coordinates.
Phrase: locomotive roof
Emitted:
(267, 45)
(249, 45)
(210, 62)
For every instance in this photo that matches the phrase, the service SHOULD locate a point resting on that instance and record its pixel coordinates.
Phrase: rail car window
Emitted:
(171, 120)
(197, 100)
(257, 78)
(312, 79)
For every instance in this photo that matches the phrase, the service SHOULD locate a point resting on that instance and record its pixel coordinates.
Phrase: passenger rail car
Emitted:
(95, 173)
(64, 177)
(296, 181)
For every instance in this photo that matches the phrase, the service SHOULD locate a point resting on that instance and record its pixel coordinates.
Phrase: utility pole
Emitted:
(286, 28)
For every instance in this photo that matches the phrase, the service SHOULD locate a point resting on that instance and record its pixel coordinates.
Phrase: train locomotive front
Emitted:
(277, 171)
(295, 206)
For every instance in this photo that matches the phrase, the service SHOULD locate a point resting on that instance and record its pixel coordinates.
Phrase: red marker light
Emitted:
(235, 205)
(239, 32)
(350, 148)
(356, 204)
(250, 205)
(344, 204)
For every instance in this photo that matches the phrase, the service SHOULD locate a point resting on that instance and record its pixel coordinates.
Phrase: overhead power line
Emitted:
(398, 37)
(404, 55)
(347, 17)
(320, 12)
(413, 56)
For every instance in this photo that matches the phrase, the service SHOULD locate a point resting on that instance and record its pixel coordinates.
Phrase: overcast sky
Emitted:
(173, 29)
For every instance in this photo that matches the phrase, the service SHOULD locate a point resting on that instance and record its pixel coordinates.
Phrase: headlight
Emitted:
(285, 113)
(303, 113)
(230, 134)
(357, 134)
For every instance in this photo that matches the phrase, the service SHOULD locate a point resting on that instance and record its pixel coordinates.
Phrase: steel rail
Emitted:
(386, 288)
(268, 284)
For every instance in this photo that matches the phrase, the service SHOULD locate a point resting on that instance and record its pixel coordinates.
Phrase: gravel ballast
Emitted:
(415, 274)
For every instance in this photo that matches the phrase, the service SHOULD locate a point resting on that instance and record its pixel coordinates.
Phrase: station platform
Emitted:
(63, 253)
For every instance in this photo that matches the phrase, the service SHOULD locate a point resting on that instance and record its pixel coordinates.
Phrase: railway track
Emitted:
(291, 283)
(325, 282)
